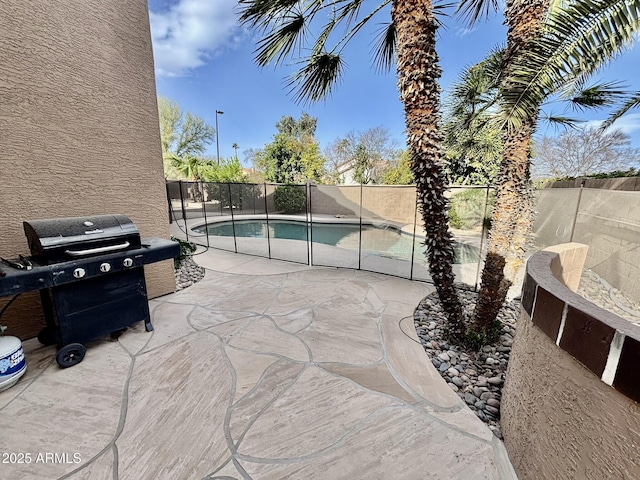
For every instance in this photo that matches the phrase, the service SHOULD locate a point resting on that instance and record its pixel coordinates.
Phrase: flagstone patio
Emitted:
(263, 370)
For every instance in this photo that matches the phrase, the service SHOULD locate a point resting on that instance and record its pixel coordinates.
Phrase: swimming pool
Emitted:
(384, 241)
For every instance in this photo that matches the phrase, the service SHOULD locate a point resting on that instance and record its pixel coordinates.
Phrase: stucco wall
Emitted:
(78, 124)
(607, 218)
(561, 421)
(393, 203)
(569, 406)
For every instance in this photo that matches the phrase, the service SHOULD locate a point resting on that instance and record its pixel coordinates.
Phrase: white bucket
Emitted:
(12, 361)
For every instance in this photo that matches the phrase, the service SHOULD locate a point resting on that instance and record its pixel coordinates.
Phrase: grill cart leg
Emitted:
(147, 325)
(70, 355)
(47, 336)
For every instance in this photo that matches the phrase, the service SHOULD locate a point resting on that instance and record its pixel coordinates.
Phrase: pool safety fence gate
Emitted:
(375, 228)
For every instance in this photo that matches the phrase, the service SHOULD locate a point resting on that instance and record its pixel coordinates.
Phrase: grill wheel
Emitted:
(70, 355)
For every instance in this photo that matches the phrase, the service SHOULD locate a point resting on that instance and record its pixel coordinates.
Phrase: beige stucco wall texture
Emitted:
(608, 220)
(561, 418)
(79, 122)
(392, 203)
(560, 421)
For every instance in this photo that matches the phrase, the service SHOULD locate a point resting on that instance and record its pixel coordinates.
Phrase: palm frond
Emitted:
(632, 101)
(604, 94)
(561, 120)
(476, 90)
(258, 12)
(349, 12)
(470, 11)
(440, 9)
(579, 40)
(281, 41)
(358, 26)
(316, 80)
(384, 49)
(320, 45)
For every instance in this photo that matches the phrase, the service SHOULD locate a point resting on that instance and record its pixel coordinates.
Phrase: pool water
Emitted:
(384, 241)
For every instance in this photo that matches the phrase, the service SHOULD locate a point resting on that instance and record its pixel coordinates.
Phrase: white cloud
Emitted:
(463, 32)
(189, 32)
(627, 123)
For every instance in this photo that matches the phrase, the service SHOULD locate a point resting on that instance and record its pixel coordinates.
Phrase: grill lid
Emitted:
(64, 238)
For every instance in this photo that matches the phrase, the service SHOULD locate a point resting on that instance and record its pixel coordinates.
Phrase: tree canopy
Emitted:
(365, 153)
(584, 151)
(184, 138)
(294, 155)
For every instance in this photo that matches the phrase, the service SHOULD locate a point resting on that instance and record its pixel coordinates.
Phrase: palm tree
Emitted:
(512, 217)
(543, 56)
(579, 40)
(235, 149)
(410, 39)
(191, 168)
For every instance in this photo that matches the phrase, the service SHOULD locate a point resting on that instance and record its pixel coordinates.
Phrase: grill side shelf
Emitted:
(19, 281)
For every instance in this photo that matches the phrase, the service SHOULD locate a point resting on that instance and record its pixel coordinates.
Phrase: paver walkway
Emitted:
(263, 370)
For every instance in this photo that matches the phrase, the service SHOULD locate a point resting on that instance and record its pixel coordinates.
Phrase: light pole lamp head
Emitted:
(219, 112)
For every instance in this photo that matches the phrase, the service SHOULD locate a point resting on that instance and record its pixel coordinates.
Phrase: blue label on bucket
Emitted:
(12, 363)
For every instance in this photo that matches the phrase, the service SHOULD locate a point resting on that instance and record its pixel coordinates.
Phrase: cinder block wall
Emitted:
(79, 126)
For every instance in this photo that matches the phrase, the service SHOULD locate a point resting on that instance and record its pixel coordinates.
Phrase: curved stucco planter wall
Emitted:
(569, 406)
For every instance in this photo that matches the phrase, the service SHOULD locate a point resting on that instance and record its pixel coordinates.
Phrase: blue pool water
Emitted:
(383, 241)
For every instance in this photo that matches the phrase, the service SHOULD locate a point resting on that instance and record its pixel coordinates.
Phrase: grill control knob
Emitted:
(105, 267)
(127, 262)
(79, 273)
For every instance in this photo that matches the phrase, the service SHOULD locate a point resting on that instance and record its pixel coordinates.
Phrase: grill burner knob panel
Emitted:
(79, 272)
(105, 267)
(127, 262)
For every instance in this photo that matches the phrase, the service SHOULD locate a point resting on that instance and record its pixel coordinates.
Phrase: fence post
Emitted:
(184, 212)
(482, 233)
(575, 216)
(310, 230)
(266, 213)
(169, 206)
(360, 238)
(204, 211)
(413, 245)
(233, 223)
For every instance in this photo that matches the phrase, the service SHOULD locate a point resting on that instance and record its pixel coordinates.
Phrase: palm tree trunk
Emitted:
(513, 213)
(418, 71)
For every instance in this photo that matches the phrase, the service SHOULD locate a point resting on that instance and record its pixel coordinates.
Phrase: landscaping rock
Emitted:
(477, 377)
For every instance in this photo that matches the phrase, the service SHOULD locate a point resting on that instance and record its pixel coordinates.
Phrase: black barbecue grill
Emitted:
(89, 271)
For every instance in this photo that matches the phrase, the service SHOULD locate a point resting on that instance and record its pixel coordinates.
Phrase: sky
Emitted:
(204, 60)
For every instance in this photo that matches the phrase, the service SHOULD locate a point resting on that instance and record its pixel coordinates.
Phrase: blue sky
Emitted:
(204, 61)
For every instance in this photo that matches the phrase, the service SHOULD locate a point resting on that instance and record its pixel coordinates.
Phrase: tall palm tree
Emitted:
(512, 217)
(410, 39)
(549, 48)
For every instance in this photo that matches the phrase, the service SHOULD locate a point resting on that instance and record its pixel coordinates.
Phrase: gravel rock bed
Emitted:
(599, 291)
(476, 376)
(188, 273)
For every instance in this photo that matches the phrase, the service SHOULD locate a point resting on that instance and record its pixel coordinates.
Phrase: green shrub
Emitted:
(186, 251)
(290, 198)
(467, 208)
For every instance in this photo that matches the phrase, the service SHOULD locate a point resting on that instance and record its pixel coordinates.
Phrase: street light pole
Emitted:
(218, 112)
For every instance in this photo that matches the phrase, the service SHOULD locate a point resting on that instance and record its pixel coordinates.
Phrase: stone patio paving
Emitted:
(263, 370)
